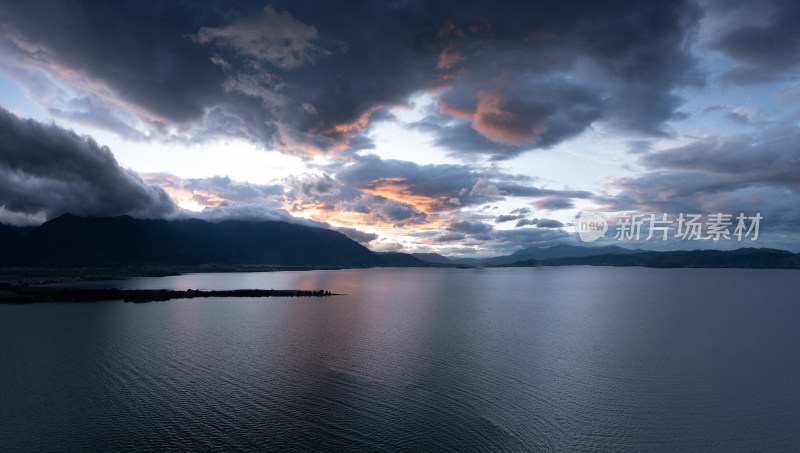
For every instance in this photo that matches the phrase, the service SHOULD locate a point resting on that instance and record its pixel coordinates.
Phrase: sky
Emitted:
(454, 127)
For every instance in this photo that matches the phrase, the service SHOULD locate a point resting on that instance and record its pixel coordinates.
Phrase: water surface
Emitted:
(518, 359)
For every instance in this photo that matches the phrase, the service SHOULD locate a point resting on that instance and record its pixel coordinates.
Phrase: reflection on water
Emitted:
(564, 359)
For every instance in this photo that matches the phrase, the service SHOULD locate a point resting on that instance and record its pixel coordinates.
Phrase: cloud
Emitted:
(208, 192)
(315, 186)
(769, 156)
(310, 78)
(45, 169)
(450, 237)
(510, 240)
(537, 116)
(449, 58)
(436, 187)
(467, 227)
(387, 246)
(399, 212)
(548, 223)
(249, 212)
(755, 172)
(763, 51)
(541, 223)
(101, 49)
(508, 218)
(357, 235)
(553, 203)
(739, 173)
(277, 38)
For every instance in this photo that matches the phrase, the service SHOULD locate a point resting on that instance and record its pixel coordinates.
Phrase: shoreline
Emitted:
(24, 294)
(35, 276)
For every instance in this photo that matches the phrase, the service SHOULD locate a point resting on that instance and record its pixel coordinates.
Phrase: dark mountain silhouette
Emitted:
(434, 258)
(568, 251)
(570, 255)
(741, 258)
(397, 259)
(9, 241)
(70, 241)
(531, 253)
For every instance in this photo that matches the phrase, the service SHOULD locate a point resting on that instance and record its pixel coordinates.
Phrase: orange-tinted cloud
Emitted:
(399, 189)
(500, 125)
(458, 112)
(449, 58)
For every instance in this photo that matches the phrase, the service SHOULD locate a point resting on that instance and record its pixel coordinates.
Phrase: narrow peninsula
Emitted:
(23, 294)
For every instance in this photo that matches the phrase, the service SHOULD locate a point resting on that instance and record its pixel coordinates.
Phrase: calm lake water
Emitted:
(549, 359)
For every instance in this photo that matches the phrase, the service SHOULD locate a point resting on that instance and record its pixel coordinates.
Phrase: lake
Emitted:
(515, 359)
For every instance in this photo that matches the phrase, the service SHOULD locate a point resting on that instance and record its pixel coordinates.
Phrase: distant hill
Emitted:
(572, 255)
(9, 240)
(741, 258)
(433, 258)
(70, 241)
(531, 253)
(397, 259)
(567, 251)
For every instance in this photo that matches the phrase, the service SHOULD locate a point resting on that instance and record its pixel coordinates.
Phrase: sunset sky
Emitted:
(461, 128)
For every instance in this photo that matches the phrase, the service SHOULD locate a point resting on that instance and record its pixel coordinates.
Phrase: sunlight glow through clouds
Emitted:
(395, 139)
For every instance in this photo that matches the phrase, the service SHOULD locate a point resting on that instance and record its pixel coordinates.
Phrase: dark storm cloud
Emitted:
(749, 173)
(46, 171)
(310, 76)
(547, 79)
(137, 49)
(277, 38)
(50, 170)
(769, 156)
(510, 118)
(766, 50)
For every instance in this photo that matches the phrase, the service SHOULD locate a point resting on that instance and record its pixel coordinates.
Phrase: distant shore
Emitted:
(745, 258)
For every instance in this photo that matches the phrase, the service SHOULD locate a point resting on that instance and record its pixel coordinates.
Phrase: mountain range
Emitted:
(70, 241)
(756, 258)
(531, 253)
